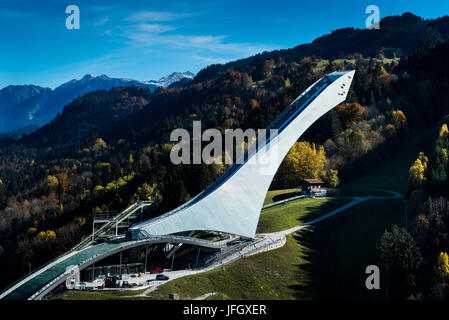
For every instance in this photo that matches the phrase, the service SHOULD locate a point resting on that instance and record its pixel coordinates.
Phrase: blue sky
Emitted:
(145, 40)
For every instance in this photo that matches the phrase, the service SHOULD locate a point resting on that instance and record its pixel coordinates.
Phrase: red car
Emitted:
(156, 270)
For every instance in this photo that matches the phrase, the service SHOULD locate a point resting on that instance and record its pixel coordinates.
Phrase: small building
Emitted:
(314, 187)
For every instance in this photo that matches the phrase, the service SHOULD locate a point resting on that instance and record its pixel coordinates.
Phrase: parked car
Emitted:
(162, 277)
(110, 282)
(156, 270)
(125, 284)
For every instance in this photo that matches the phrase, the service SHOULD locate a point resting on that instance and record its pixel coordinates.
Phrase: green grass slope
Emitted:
(268, 275)
(293, 213)
(96, 295)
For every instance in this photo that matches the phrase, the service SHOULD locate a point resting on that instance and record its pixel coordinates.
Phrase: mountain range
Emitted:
(24, 108)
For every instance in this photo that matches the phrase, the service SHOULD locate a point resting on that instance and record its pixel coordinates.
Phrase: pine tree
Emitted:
(399, 253)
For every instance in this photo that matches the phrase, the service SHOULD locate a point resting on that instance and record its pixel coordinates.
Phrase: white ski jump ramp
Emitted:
(232, 204)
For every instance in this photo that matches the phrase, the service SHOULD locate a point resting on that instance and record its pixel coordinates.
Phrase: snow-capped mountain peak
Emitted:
(22, 106)
(172, 78)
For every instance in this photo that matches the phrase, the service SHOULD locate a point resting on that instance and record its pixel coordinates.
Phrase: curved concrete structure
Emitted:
(41, 282)
(232, 204)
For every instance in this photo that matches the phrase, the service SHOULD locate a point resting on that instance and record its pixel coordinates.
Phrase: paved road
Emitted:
(205, 296)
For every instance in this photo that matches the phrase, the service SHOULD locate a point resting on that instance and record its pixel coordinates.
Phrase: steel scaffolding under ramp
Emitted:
(111, 223)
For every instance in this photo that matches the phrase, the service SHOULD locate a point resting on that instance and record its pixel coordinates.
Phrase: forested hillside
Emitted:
(398, 36)
(109, 147)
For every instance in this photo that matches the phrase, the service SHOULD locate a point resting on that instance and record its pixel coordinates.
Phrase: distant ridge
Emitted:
(398, 36)
(23, 108)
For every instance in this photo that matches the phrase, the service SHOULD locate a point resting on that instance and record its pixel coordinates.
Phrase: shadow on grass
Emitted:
(290, 214)
(287, 195)
(327, 206)
(338, 250)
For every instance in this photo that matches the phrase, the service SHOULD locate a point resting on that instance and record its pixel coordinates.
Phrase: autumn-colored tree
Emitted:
(145, 191)
(81, 221)
(104, 169)
(354, 143)
(444, 131)
(351, 112)
(359, 141)
(31, 231)
(99, 144)
(331, 178)
(398, 119)
(417, 172)
(111, 186)
(443, 266)
(254, 104)
(267, 67)
(98, 210)
(98, 189)
(303, 161)
(424, 160)
(46, 236)
(378, 70)
(121, 182)
(63, 179)
(51, 183)
(247, 80)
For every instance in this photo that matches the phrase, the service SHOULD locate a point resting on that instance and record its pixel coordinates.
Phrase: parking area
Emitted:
(126, 281)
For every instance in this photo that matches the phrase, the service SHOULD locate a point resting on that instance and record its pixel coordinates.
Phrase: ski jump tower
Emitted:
(232, 204)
